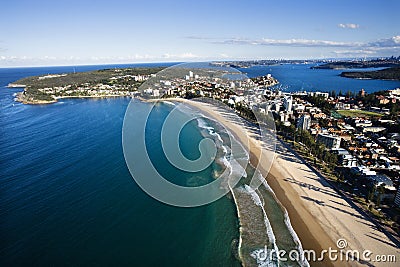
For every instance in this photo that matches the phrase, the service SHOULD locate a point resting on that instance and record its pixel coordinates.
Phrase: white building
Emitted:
(288, 103)
(299, 108)
(156, 93)
(330, 141)
(304, 122)
(319, 94)
(345, 158)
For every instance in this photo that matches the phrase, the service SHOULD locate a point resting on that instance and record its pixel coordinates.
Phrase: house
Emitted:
(345, 158)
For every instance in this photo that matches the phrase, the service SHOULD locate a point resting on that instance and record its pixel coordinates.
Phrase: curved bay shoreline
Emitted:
(318, 214)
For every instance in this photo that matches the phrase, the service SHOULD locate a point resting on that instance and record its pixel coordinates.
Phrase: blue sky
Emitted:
(93, 32)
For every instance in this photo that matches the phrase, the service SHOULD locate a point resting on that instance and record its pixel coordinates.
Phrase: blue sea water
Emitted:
(299, 77)
(67, 197)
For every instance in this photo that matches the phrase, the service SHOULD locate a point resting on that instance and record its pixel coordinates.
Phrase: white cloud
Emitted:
(71, 60)
(354, 52)
(348, 26)
(381, 47)
(388, 42)
(180, 56)
(286, 42)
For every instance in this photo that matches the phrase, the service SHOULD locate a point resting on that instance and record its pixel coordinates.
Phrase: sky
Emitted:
(40, 32)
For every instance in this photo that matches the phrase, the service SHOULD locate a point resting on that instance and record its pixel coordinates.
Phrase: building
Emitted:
(341, 105)
(345, 158)
(330, 141)
(288, 103)
(156, 93)
(284, 116)
(397, 199)
(373, 129)
(319, 94)
(304, 122)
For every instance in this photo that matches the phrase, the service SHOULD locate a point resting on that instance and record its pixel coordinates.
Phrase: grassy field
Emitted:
(358, 113)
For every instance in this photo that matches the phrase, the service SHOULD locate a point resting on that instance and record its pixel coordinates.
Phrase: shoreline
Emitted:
(307, 239)
(21, 99)
(318, 215)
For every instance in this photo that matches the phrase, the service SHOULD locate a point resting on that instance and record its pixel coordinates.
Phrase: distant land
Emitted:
(265, 62)
(361, 64)
(125, 82)
(100, 83)
(385, 74)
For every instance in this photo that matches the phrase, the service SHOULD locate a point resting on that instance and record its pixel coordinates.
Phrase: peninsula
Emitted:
(360, 64)
(125, 82)
(100, 83)
(384, 74)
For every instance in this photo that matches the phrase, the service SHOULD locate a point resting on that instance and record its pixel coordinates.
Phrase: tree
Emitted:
(349, 94)
(381, 191)
(371, 193)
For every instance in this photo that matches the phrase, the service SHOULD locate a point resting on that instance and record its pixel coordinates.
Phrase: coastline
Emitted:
(318, 215)
(21, 99)
(297, 214)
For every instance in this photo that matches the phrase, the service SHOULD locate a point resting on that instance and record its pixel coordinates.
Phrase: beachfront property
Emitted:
(330, 141)
(397, 199)
(304, 122)
(358, 137)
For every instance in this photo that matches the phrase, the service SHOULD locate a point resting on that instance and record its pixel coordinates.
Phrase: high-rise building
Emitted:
(330, 141)
(304, 122)
(288, 103)
(397, 199)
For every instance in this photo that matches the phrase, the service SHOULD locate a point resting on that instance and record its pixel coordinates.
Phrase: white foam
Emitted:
(203, 124)
(302, 262)
(224, 149)
(270, 233)
(169, 103)
(289, 226)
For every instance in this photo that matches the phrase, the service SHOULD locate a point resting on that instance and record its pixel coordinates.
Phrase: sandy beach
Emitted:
(319, 215)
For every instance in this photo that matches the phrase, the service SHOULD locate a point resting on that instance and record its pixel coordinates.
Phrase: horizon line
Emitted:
(179, 62)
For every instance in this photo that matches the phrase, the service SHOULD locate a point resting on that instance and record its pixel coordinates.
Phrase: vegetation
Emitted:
(314, 149)
(358, 113)
(320, 102)
(385, 74)
(92, 77)
(45, 88)
(361, 64)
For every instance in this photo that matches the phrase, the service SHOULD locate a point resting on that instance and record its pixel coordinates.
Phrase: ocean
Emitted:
(67, 197)
(299, 77)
